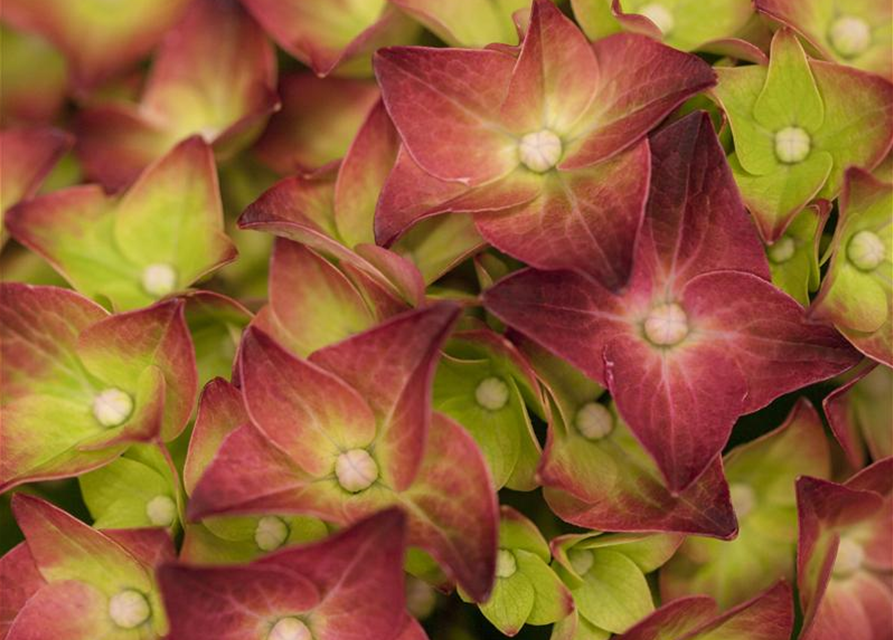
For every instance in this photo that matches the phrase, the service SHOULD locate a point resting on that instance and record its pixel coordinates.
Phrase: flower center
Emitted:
(492, 394)
(660, 16)
(849, 558)
(270, 533)
(540, 151)
(581, 560)
(865, 250)
(666, 325)
(289, 629)
(161, 511)
(850, 36)
(506, 565)
(159, 279)
(129, 609)
(594, 421)
(112, 407)
(792, 145)
(743, 499)
(356, 470)
(782, 250)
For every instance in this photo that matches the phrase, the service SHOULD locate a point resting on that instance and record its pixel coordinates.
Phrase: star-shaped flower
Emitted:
(761, 475)
(845, 555)
(164, 233)
(851, 33)
(857, 292)
(545, 147)
(798, 124)
(213, 75)
(351, 431)
(80, 385)
(73, 582)
(347, 586)
(699, 336)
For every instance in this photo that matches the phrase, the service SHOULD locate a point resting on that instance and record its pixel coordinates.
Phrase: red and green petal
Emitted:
(857, 296)
(768, 616)
(458, 522)
(612, 484)
(815, 19)
(357, 572)
(317, 123)
(392, 366)
(312, 303)
(585, 220)
(467, 23)
(766, 333)
(66, 609)
(631, 97)
(762, 474)
(860, 411)
(99, 41)
(214, 75)
(449, 120)
(555, 77)
(304, 409)
(120, 348)
(30, 154)
(338, 36)
(362, 175)
(19, 580)
(35, 78)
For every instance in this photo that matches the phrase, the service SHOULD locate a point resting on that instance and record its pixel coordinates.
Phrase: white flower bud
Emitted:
(159, 279)
(594, 421)
(112, 407)
(850, 36)
(792, 145)
(540, 151)
(356, 470)
(492, 394)
(865, 250)
(270, 533)
(666, 325)
(161, 511)
(129, 609)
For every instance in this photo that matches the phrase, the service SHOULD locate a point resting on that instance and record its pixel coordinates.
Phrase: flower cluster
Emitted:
(398, 319)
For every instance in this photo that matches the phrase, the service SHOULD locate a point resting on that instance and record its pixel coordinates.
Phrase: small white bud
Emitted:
(129, 609)
(792, 145)
(159, 279)
(112, 407)
(289, 629)
(666, 325)
(782, 250)
(356, 470)
(743, 499)
(270, 533)
(492, 394)
(594, 421)
(161, 511)
(850, 556)
(581, 560)
(660, 16)
(865, 250)
(540, 151)
(850, 36)
(506, 565)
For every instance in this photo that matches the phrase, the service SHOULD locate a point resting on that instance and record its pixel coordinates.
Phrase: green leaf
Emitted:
(119, 495)
(793, 258)
(615, 594)
(790, 97)
(552, 599)
(516, 532)
(502, 434)
(510, 604)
